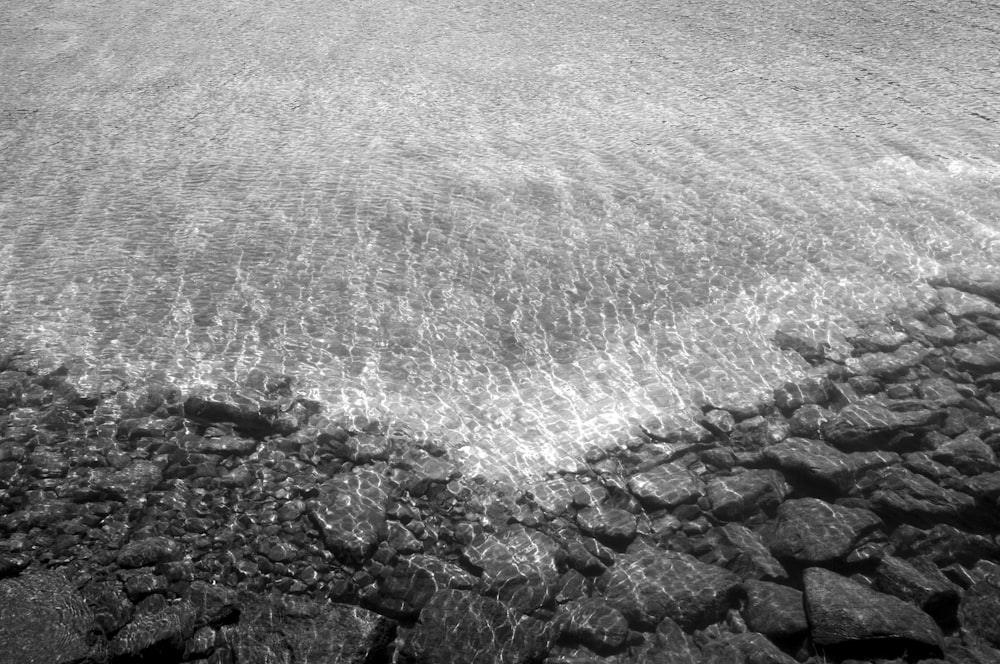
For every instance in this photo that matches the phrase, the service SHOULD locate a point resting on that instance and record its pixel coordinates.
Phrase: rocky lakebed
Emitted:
(854, 516)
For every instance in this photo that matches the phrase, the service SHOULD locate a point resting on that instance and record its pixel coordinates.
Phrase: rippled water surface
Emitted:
(530, 225)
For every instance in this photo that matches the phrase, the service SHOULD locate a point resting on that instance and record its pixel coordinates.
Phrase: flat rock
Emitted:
(921, 583)
(610, 525)
(793, 395)
(408, 584)
(746, 648)
(735, 497)
(980, 607)
(44, 620)
(594, 623)
(665, 486)
(867, 426)
(652, 584)
(944, 545)
(814, 461)
(888, 366)
(286, 629)
(460, 627)
(774, 610)
(519, 566)
(741, 551)
(849, 616)
(979, 358)
(968, 454)
(810, 531)
(898, 494)
(351, 513)
(977, 281)
(155, 635)
(149, 551)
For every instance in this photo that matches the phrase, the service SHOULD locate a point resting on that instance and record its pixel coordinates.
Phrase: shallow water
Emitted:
(524, 227)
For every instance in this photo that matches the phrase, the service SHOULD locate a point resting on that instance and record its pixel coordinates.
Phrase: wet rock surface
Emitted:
(853, 517)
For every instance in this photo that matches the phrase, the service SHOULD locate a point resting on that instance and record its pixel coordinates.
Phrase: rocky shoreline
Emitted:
(854, 517)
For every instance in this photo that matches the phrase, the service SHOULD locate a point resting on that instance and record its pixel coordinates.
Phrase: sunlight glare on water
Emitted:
(523, 227)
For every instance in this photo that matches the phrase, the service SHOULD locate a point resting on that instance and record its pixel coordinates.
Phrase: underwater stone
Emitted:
(653, 584)
(844, 613)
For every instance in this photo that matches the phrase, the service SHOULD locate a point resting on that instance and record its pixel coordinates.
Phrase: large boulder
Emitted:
(350, 513)
(810, 531)
(774, 610)
(651, 584)
(668, 486)
(864, 426)
(734, 497)
(460, 627)
(848, 618)
(405, 587)
(519, 567)
(273, 630)
(813, 462)
(898, 494)
(44, 620)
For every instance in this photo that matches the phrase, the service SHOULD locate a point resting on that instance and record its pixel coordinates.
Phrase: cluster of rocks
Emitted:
(854, 517)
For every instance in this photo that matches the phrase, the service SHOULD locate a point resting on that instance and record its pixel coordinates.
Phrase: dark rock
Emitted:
(351, 513)
(668, 645)
(298, 630)
(808, 421)
(979, 358)
(980, 607)
(555, 496)
(158, 636)
(985, 486)
(792, 396)
(968, 453)
(519, 567)
(898, 494)
(43, 619)
(149, 551)
(741, 551)
(459, 627)
(970, 280)
(815, 463)
(651, 584)
(248, 419)
(738, 496)
(944, 545)
(720, 422)
(810, 531)
(610, 525)
(921, 583)
(868, 426)
(668, 485)
(889, 366)
(582, 560)
(759, 432)
(214, 604)
(811, 350)
(595, 624)
(847, 617)
(774, 610)
(222, 445)
(746, 648)
(404, 588)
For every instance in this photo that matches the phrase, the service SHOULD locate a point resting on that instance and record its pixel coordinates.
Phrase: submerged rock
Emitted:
(850, 618)
(651, 585)
(459, 627)
(44, 619)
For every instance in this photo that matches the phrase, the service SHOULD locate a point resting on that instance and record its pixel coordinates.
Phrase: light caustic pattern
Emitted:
(522, 227)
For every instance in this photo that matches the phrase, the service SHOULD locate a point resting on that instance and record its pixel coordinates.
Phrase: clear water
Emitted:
(523, 226)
